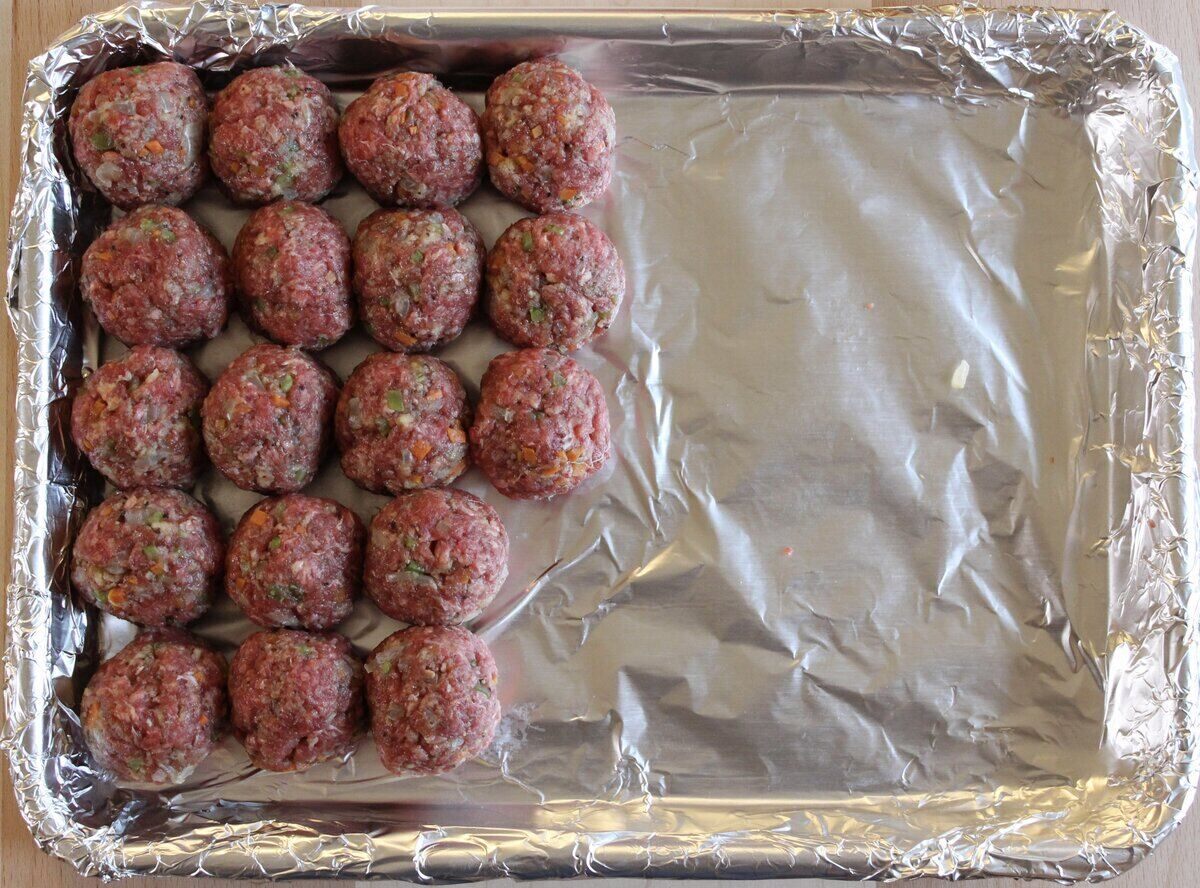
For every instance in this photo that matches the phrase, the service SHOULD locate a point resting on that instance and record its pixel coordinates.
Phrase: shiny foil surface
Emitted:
(893, 570)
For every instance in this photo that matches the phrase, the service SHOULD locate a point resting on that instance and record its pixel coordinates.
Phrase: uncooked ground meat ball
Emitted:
(553, 281)
(435, 557)
(138, 419)
(401, 423)
(417, 276)
(157, 709)
(295, 698)
(541, 427)
(412, 142)
(296, 560)
(155, 277)
(266, 419)
(291, 262)
(150, 556)
(548, 136)
(432, 692)
(273, 133)
(138, 134)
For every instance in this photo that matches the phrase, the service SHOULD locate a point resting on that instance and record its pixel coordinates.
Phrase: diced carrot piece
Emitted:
(117, 596)
(420, 449)
(575, 453)
(279, 400)
(457, 435)
(528, 455)
(258, 517)
(405, 339)
(155, 147)
(568, 194)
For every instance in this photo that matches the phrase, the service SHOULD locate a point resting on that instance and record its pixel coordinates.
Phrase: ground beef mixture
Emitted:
(267, 418)
(553, 281)
(432, 692)
(157, 709)
(541, 427)
(138, 419)
(401, 423)
(296, 698)
(155, 277)
(273, 134)
(296, 560)
(548, 136)
(291, 263)
(435, 557)
(138, 134)
(150, 556)
(417, 276)
(412, 142)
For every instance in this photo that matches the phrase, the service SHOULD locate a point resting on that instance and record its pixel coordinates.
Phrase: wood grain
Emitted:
(33, 24)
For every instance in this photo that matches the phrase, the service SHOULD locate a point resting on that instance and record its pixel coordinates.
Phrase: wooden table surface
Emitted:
(35, 23)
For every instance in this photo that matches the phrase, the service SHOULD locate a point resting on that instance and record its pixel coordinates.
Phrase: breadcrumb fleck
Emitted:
(959, 379)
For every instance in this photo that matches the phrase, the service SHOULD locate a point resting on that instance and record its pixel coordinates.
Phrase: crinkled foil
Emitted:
(893, 572)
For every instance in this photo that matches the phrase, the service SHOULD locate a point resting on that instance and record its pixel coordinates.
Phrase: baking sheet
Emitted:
(891, 573)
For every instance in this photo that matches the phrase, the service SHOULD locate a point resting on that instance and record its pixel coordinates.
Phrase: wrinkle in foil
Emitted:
(892, 572)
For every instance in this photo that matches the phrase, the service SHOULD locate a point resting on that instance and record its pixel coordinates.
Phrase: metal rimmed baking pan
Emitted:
(893, 572)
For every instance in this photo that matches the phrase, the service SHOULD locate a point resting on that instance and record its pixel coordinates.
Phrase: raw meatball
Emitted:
(157, 709)
(138, 133)
(155, 277)
(138, 419)
(541, 428)
(417, 275)
(432, 695)
(296, 560)
(436, 557)
(553, 281)
(266, 420)
(548, 136)
(401, 423)
(150, 556)
(273, 133)
(412, 142)
(295, 698)
(291, 261)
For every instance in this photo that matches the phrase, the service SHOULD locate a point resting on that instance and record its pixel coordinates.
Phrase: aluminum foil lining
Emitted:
(893, 572)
